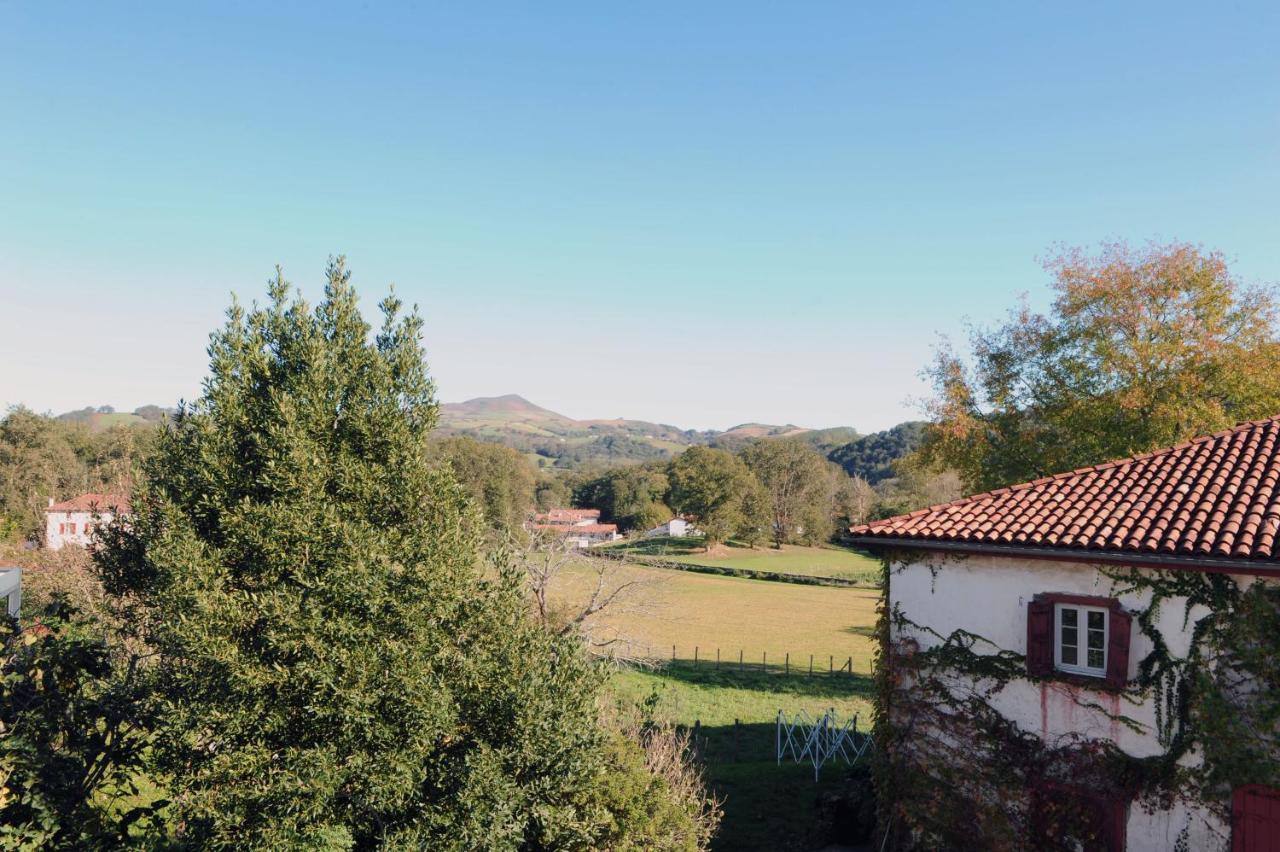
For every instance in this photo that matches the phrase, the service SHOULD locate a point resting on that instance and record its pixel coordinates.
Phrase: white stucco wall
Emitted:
(988, 596)
(55, 524)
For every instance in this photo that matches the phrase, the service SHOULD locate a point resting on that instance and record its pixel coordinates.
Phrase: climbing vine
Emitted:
(952, 772)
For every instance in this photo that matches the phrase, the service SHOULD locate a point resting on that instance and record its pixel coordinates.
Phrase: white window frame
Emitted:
(1082, 639)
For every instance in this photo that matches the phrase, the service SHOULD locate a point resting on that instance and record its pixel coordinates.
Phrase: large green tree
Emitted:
(1142, 348)
(800, 487)
(333, 669)
(632, 497)
(718, 493)
(498, 479)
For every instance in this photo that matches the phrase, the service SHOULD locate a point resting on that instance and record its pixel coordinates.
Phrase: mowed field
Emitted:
(735, 706)
(706, 612)
(824, 561)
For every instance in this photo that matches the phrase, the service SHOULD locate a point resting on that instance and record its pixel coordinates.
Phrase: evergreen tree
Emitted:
(334, 672)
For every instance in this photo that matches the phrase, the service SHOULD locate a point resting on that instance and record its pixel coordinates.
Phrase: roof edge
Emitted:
(1106, 557)
(1242, 426)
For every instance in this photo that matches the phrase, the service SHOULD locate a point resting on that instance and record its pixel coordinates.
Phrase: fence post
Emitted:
(673, 653)
(695, 656)
(788, 663)
(717, 658)
(740, 659)
(811, 665)
(764, 661)
(831, 661)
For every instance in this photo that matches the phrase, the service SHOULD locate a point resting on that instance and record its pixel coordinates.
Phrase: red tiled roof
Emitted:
(561, 515)
(1212, 497)
(92, 503)
(578, 528)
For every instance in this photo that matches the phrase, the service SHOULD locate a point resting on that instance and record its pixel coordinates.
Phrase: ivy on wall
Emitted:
(953, 773)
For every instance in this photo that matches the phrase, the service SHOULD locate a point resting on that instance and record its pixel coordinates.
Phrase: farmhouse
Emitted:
(74, 521)
(578, 528)
(568, 517)
(1089, 660)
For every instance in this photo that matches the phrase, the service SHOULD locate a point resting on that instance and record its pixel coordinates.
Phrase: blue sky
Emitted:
(697, 213)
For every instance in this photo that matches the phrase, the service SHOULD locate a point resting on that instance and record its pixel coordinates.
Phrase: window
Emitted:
(1080, 639)
(1078, 636)
(71, 529)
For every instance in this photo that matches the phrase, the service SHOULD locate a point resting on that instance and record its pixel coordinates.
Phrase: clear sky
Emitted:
(697, 213)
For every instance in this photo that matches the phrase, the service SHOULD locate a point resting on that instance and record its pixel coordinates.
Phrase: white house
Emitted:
(568, 517)
(1042, 681)
(578, 528)
(677, 527)
(74, 521)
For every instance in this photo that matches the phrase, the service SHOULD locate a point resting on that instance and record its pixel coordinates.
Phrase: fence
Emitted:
(809, 665)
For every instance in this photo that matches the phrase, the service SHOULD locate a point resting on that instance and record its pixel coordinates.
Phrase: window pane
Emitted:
(1096, 620)
(1069, 655)
(1095, 659)
(1069, 616)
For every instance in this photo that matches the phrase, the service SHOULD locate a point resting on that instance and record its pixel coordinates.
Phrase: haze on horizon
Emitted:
(700, 216)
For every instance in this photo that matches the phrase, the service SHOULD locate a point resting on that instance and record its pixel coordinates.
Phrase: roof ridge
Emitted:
(1240, 426)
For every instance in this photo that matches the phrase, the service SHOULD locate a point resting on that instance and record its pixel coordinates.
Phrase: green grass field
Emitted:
(766, 806)
(735, 707)
(822, 561)
(703, 613)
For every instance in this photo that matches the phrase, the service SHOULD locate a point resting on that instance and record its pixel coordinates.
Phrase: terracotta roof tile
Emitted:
(1218, 495)
(92, 503)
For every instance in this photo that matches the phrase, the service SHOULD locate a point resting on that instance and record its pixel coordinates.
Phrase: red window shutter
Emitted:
(1039, 637)
(1255, 819)
(1118, 648)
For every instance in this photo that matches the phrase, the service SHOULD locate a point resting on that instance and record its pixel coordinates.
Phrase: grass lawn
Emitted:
(821, 561)
(766, 806)
(755, 617)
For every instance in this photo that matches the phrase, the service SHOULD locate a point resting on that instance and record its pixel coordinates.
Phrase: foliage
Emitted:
(632, 497)
(43, 457)
(799, 485)
(718, 494)
(335, 669)
(872, 457)
(72, 737)
(1142, 348)
(498, 480)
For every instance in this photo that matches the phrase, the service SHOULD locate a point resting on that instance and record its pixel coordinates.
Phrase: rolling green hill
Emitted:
(560, 441)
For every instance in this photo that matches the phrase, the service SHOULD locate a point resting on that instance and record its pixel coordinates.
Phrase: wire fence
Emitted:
(699, 656)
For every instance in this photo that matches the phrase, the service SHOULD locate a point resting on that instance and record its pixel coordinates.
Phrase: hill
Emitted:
(872, 456)
(104, 416)
(555, 440)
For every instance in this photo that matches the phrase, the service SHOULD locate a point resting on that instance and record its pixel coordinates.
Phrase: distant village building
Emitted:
(676, 528)
(1042, 641)
(575, 517)
(578, 528)
(75, 521)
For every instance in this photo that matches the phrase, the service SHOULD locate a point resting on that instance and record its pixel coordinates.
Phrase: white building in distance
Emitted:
(74, 521)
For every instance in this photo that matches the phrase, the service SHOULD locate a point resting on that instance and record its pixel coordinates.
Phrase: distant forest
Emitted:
(872, 456)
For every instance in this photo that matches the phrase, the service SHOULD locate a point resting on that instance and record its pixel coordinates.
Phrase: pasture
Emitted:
(706, 612)
(734, 706)
(822, 561)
